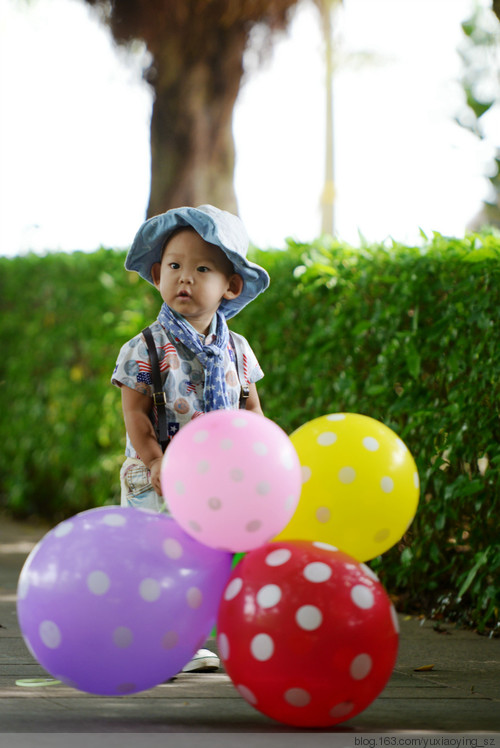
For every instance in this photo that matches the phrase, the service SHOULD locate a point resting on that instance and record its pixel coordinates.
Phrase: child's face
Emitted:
(193, 278)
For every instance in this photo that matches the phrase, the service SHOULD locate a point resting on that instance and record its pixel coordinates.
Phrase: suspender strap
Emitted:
(159, 397)
(245, 390)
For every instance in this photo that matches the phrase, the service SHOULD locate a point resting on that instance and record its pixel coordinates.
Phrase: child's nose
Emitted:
(186, 276)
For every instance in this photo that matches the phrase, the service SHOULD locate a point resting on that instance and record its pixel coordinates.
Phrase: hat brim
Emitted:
(215, 226)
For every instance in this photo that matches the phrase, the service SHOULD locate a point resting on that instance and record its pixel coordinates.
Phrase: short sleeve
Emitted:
(252, 370)
(133, 368)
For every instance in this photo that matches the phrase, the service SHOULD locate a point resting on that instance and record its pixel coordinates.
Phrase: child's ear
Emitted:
(235, 287)
(156, 273)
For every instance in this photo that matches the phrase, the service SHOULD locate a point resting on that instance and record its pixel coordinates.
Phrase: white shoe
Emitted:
(203, 661)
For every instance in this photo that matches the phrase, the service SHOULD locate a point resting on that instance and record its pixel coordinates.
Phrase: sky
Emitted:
(74, 129)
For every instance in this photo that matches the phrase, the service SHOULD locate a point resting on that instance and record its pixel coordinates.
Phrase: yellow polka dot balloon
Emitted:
(360, 485)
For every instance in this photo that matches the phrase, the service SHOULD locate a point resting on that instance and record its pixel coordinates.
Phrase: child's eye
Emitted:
(174, 265)
(203, 269)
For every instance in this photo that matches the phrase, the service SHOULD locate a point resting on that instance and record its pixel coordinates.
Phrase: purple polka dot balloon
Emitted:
(116, 600)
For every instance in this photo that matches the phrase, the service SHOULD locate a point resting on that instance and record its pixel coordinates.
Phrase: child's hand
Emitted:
(155, 470)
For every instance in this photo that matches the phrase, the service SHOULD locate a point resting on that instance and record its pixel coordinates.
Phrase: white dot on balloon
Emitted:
(247, 694)
(233, 588)
(326, 439)
(149, 590)
(297, 697)
(260, 449)
(288, 458)
(370, 444)
(278, 557)
(395, 620)
(387, 484)
(98, 582)
(416, 481)
(202, 467)
(262, 647)
(23, 587)
(50, 634)
(317, 572)
(336, 417)
(226, 444)
(239, 423)
(253, 525)
(122, 637)
(325, 546)
(342, 709)
(170, 640)
(369, 572)
(323, 514)
(347, 475)
(179, 487)
(306, 473)
(360, 666)
(381, 535)
(114, 520)
(263, 487)
(223, 643)
(195, 526)
(172, 548)
(194, 597)
(309, 617)
(214, 503)
(362, 596)
(237, 475)
(269, 596)
(200, 436)
(63, 529)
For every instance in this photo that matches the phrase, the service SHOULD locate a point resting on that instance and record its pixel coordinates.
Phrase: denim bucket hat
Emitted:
(215, 226)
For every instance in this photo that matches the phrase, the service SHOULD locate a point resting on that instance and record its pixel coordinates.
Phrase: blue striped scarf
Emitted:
(210, 356)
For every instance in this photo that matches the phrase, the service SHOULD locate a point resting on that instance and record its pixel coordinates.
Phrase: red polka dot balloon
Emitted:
(307, 634)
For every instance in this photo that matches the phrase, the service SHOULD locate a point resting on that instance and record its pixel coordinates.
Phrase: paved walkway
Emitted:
(460, 695)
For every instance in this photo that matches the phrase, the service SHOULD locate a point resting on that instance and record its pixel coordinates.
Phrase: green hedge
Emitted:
(408, 336)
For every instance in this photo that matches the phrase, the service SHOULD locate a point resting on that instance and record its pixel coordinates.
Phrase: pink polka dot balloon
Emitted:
(116, 600)
(307, 634)
(232, 479)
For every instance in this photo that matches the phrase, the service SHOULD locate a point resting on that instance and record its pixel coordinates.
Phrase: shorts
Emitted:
(136, 488)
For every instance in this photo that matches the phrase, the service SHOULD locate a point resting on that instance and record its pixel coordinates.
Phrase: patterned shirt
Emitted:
(182, 375)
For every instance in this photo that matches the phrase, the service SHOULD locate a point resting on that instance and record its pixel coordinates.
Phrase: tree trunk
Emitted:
(197, 50)
(192, 146)
(496, 8)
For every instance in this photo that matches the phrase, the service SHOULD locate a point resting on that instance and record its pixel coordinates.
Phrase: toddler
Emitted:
(196, 258)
